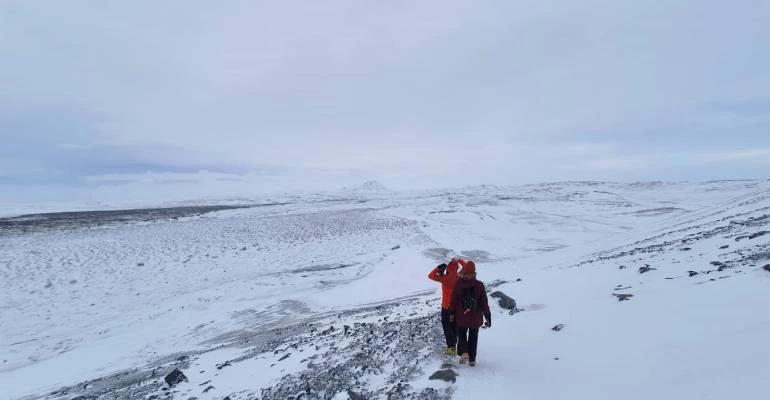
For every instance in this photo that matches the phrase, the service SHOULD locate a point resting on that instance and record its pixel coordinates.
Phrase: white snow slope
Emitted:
(327, 297)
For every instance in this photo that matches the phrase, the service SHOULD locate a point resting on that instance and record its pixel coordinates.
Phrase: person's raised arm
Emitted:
(437, 274)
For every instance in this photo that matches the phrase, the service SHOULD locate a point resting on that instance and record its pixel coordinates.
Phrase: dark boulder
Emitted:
(557, 328)
(175, 377)
(505, 301)
(692, 273)
(766, 267)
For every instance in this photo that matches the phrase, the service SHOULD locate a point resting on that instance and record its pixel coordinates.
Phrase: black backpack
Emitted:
(469, 299)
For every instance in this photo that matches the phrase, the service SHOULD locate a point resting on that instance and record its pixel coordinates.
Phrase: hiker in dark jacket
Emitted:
(469, 308)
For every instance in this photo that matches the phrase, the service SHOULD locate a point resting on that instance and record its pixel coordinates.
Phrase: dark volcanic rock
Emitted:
(724, 246)
(224, 364)
(758, 234)
(505, 301)
(175, 377)
(355, 396)
(692, 273)
(557, 328)
(446, 375)
(766, 267)
(646, 268)
(623, 296)
(396, 247)
(686, 248)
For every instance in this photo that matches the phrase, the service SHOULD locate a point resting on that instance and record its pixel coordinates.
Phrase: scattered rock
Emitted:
(505, 301)
(766, 267)
(556, 358)
(243, 248)
(715, 263)
(622, 267)
(140, 264)
(686, 248)
(446, 375)
(557, 328)
(224, 364)
(284, 357)
(355, 396)
(175, 377)
(646, 268)
(207, 389)
(396, 247)
(49, 284)
(692, 273)
(623, 296)
(758, 234)
(724, 246)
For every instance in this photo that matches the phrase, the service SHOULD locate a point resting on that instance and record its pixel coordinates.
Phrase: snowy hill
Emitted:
(329, 299)
(368, 187)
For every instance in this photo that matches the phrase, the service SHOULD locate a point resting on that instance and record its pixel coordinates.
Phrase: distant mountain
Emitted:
(371, 186)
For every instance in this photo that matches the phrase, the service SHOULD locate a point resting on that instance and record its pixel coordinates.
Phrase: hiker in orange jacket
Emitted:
(447, 276)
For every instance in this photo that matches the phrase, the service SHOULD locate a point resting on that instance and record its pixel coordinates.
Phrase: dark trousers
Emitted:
(467, 341)
(450, 330)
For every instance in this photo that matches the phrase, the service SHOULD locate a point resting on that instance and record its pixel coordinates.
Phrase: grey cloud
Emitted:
(423, 93)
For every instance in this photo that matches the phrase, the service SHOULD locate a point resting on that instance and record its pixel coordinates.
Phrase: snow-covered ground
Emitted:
(326, 296)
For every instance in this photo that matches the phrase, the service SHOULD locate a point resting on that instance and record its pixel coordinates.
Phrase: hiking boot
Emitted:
(464, 358)
(451, 351)
(472, 363)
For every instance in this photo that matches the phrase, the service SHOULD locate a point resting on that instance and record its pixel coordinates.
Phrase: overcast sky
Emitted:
(105, 100)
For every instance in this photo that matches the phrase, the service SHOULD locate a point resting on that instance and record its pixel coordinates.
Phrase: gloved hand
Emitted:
(488, 324)
(441, 268)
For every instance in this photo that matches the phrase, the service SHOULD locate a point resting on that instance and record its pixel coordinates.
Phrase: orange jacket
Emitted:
(448, 281)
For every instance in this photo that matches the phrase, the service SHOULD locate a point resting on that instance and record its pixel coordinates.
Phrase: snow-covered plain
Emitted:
(326, 296)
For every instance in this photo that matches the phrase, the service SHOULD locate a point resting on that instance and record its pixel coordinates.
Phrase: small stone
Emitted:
(558, 328)
(446, 375)
(692, 273)
(207, 389)
(686, 248)
(622, 267)
(355, 396)
(724, 246)
(396, 247)
(140, 265)
(766, 267)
